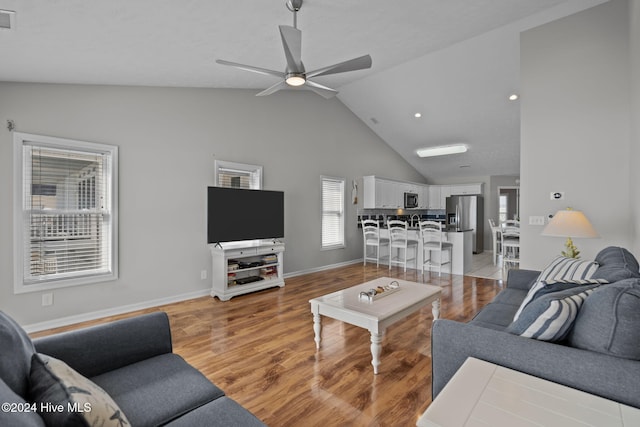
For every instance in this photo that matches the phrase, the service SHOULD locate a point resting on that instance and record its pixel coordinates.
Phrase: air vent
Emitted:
(7, 19)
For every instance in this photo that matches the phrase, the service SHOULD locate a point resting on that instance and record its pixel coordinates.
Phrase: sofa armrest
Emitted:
(606, 376)
(102, 348)
(521, 279)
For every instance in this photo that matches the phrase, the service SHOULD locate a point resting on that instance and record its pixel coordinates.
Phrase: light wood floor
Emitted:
(259, 349)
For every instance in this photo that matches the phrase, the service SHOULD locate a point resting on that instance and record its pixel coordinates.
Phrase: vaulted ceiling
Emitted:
(455, 61)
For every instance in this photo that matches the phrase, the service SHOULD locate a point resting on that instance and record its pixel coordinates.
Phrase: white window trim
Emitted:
(253, 169)
(19, 139)
(344, 183)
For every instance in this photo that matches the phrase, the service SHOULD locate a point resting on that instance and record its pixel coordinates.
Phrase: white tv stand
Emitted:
(252, 261)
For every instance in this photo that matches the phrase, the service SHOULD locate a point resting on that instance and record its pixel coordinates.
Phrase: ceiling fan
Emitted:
(295, 74)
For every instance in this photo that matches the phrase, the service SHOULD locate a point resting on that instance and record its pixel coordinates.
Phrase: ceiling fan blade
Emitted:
(321, 90)
(276, 87)
(251, 68)
(292, 43)
(359, 63)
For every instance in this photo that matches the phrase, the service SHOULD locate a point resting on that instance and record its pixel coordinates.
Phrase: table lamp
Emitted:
(570, 223)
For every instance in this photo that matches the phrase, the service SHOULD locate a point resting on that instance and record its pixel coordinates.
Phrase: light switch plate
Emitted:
(536, 220)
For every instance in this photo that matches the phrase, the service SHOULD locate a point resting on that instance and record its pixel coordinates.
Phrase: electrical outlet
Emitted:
(203, 275)
(536, 220)
(47, 299)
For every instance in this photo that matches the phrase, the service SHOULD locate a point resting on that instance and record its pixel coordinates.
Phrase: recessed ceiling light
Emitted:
(417, 115)
(441, 150)
(513, 97)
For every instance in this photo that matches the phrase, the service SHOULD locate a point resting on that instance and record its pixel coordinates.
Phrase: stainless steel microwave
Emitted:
(410, 200)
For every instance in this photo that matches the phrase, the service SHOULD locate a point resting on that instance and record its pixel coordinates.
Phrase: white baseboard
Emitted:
(322, 268)
(70, 320)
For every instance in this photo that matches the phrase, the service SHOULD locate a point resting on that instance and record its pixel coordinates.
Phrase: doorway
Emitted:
(508, 203)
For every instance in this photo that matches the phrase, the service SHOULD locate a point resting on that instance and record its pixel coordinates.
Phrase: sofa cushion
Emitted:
(495, 315)
(510, 296)
(609, 321)
(66, 398)
(15, 357)
(561, 269)
(156, 390)
(551, 316)
(19, 412)
(223, 412)
(616, 264)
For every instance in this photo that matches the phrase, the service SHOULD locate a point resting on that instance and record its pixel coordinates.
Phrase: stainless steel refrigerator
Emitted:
(467, 213)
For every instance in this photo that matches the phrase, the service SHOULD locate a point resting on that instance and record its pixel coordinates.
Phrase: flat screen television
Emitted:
(235, 214)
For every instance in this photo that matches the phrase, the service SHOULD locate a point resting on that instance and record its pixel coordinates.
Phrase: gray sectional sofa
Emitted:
(146, 384)
(600, 354)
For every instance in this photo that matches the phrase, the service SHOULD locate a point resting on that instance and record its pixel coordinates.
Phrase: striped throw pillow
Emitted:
(550, 317)
(561, 269)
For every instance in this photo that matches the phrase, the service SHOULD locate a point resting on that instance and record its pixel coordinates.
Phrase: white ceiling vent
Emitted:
(7, 19)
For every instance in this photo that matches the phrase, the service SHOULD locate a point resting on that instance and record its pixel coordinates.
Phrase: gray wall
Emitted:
(168, 140)
(575, 128)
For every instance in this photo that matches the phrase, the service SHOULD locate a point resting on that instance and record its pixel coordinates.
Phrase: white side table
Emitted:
(484, 394)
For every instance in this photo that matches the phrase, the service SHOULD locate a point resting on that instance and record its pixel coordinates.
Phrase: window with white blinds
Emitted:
(332, 212)
(66, 212)
(238, 175)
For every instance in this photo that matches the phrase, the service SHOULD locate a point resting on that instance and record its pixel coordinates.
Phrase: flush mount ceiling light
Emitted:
(513, 97)
(417, 115)
(442, 150)
(295, 79)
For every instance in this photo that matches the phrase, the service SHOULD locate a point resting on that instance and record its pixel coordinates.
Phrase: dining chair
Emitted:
(510, 242)
(371, 237)
(496, 237)
(399, 240)
(433, 240)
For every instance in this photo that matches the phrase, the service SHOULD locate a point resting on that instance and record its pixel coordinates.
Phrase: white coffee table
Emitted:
(483, 394)
(375, 316)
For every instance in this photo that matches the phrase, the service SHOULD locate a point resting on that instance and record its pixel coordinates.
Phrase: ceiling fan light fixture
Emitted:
(295, 79)
(441, 150)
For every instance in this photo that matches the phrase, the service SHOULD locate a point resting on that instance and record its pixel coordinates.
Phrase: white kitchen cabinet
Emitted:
(391, 194)
(434, 201)
(423, 197)
(445, 191)
(466, 189)
(381, 193)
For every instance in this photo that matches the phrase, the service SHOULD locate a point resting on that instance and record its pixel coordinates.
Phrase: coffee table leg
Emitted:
(317, 328)
(376, 349)
(435, 309)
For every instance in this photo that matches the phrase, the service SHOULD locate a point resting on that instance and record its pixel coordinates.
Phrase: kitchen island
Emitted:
(462, 241)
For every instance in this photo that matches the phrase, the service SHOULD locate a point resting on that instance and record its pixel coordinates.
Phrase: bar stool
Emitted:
(433, 241)
(399, 240)
(371, 237)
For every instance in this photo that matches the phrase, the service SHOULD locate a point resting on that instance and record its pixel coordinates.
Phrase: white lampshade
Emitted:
(570, 223)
